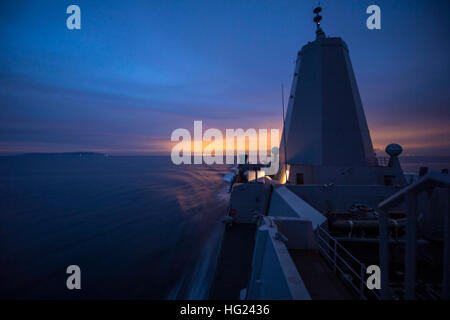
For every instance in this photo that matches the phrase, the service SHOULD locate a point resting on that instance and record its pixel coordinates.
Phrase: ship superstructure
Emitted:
(326, 138)
(334, 209)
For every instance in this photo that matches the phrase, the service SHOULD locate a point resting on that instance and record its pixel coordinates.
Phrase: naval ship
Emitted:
(334, 212)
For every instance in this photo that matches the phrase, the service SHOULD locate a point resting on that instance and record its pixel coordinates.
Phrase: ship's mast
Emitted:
(284, 134)
(317, 19)
(325, 135)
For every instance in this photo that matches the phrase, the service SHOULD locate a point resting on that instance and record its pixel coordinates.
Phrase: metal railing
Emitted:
(410, 197)
(350, 269)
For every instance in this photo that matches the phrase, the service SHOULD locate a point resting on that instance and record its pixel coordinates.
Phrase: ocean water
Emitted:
(138, 227)
(413, 164)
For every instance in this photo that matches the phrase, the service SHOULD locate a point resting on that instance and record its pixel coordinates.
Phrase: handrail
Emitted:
(409, 195)
(432, 178)
(334, 256)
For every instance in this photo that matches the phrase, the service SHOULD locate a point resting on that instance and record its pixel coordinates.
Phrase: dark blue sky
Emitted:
(138, 70)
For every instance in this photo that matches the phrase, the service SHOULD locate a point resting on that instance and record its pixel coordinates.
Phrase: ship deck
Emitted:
(320, 280)
(234, 264)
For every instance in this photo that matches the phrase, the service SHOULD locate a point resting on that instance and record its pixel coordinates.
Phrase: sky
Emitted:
(137, 70)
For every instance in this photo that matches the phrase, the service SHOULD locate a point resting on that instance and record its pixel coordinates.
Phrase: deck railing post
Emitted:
(446, 271)
(334, 254)
(384, 254)
(361, 285)
(410, 259)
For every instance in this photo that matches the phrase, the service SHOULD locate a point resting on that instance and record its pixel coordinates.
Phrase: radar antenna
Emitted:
(317, 19)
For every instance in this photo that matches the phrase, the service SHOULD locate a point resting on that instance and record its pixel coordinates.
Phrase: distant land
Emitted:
(80, 154)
